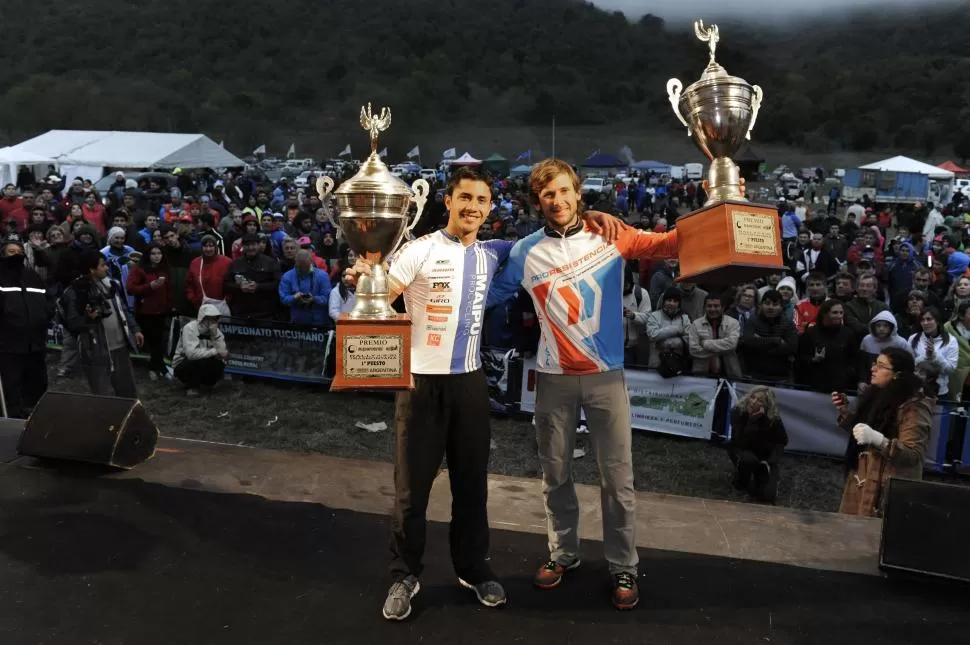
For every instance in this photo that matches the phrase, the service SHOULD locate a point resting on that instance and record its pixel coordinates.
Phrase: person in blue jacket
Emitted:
(305, 289)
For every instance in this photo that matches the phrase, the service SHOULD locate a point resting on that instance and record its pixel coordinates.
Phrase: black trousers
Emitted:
(153, 328)
(760, 481)
(24, 381)
(195, 374)
(445, 416)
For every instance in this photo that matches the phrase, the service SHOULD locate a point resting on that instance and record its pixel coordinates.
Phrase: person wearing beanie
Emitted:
(118, 256)
(787, 288)
(769, 342)
(207, 274)
(25, 315)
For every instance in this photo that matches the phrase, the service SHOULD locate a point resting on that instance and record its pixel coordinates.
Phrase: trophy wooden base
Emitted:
(373, 354)
(728, 243)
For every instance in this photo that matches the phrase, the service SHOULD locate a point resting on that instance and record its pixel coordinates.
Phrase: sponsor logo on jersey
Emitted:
(437, 309)
(443, 262)
(539, 277)
(440, 286)
(441, 319)
(434, 340)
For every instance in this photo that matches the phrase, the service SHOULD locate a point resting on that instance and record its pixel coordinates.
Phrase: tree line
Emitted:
(248, 71)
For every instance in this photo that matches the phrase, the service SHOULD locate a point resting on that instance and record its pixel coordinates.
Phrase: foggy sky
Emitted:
(757, 10)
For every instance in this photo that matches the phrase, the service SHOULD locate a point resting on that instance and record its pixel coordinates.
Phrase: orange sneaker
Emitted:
(626, 595)
(550, 574)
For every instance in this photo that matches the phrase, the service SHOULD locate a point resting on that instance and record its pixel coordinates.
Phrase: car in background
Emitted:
(429, 174)
(166, 180)
(302, 180)
(597, 185)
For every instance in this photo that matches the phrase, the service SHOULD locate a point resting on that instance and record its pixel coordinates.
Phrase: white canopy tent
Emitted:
(905, 164)
(87, 153)
(466, 160)
(11, 160)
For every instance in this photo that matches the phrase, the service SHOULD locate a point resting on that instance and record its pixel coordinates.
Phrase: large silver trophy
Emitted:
(728, 240)
(719, 112)
(373, 214)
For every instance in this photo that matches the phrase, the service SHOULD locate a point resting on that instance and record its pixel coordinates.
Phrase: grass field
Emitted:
(303, 418)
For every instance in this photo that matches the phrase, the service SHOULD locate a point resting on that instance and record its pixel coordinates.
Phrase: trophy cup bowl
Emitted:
(728, 239)
(373, 340)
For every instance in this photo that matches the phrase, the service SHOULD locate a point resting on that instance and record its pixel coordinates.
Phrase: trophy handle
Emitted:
(755, 107)
(324, 188)
(674, 88)
(421, 190)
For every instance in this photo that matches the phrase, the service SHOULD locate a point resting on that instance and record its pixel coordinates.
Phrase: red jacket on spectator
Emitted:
(805, 314)
(206, 277)
(95, 217)
(149, 301)
(13, 209)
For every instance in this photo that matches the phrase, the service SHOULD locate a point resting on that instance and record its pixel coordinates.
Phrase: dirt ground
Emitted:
(291, 416)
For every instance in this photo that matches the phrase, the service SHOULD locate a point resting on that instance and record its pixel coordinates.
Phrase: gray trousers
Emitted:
(116, 379)
(68, 351)
(604, 399)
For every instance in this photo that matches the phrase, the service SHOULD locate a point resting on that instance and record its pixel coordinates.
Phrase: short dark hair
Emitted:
(466, 173)
(846, 277)
(815, 276)
(713, 296)
(90, 259)
(771, 295)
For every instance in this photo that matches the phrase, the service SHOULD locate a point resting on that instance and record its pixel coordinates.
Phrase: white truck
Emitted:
(693, 171)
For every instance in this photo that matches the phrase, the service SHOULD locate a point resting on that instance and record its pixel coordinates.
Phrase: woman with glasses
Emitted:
(890, 430)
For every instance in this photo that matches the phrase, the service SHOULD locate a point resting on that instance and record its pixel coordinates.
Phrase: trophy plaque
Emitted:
(373, 341)
(729, 239)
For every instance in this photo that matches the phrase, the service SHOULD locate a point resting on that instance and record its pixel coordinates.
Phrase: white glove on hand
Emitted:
(867, 436)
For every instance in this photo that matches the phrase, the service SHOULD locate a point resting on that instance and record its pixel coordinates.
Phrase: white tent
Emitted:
(905, 164)
(87, 153)
(466, 160)
(11, 160)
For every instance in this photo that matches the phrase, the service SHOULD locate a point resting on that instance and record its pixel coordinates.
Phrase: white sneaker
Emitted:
(153, 376)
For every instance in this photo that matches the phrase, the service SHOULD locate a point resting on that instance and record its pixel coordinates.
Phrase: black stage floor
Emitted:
(127, 562)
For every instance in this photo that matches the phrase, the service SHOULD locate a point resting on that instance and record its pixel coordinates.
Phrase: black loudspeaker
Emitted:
(925, 529)
(94, 429)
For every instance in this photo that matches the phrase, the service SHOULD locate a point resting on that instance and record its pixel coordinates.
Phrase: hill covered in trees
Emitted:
(245, 70)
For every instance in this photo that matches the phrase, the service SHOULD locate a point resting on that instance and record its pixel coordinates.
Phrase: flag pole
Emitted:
(553, 135)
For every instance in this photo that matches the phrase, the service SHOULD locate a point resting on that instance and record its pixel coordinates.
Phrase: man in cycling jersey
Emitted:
(575, 278)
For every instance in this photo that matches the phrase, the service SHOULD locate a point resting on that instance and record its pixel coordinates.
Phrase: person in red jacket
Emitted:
(94, 215)
(149, 284)
(206, 277)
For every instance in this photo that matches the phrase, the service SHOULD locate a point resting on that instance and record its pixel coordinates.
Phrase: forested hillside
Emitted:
(242, 70)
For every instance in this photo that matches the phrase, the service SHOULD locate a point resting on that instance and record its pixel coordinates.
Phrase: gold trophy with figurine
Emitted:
(729, 239)
(373, 340)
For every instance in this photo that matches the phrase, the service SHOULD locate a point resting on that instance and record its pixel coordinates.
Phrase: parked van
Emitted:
(961, 186)
(694, 170)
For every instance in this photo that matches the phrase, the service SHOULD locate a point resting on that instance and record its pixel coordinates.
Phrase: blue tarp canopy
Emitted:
(603, 161)
(649, 164)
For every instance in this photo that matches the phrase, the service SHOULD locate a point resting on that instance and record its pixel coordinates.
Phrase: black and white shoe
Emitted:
(490, 593)
(398, 603)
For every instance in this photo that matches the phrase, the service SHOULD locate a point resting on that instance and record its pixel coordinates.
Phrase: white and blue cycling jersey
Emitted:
(445, 284)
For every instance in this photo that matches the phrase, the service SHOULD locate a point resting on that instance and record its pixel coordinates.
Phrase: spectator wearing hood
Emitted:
(883, 333)
(25, 315)
(900, 271)
(957, 263)
(769, 342)
(252, 282)
(201, 352)
(205, 283)
(305, 289)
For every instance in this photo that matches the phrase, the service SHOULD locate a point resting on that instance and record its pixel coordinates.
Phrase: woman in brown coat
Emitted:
(890, 431)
